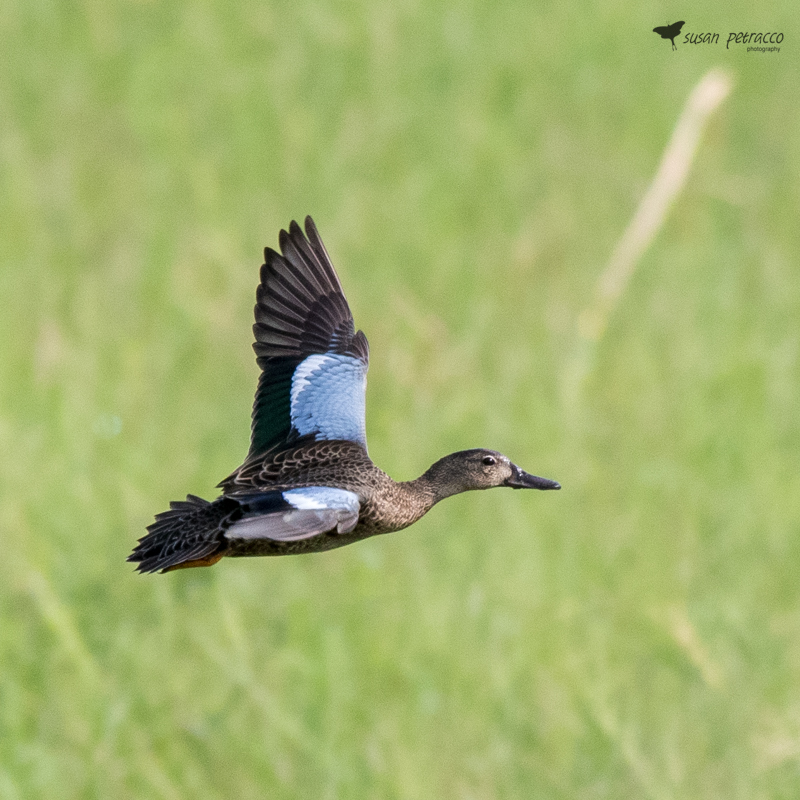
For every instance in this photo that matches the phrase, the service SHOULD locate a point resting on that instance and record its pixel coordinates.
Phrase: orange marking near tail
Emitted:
(208, 561)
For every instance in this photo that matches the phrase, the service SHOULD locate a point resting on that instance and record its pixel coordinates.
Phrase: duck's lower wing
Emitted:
(296, 514)
(196, 533)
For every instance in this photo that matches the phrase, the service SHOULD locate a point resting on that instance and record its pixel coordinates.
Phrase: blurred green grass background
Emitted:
(470, 166)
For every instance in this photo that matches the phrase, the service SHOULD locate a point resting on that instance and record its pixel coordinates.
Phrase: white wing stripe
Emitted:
(318, 497)
(315, 510)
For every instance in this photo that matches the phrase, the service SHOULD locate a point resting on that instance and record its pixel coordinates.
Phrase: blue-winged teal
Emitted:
(307, 483)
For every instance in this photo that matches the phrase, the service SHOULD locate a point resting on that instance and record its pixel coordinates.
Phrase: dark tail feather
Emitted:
(192, 530)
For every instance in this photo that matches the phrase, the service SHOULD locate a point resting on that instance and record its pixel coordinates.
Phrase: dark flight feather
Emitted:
(300, 311)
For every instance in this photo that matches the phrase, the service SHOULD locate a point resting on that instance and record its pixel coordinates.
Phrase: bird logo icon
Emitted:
(669, 31)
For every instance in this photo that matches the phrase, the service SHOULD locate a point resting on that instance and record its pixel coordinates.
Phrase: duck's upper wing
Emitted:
(314, 364)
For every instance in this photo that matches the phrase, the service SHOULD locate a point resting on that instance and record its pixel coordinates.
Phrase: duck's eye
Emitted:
(489, 461)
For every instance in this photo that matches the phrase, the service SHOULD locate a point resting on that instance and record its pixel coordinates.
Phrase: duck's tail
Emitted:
(190, 534)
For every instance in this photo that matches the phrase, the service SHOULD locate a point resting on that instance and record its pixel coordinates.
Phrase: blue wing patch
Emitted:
(328, 397)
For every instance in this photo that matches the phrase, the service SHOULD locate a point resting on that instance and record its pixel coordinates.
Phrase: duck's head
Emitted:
(482, 469)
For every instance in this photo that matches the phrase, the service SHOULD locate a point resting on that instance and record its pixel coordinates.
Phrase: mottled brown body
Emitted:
(386, 505)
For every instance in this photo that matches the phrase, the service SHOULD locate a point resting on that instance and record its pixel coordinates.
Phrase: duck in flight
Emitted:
(307, 483)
